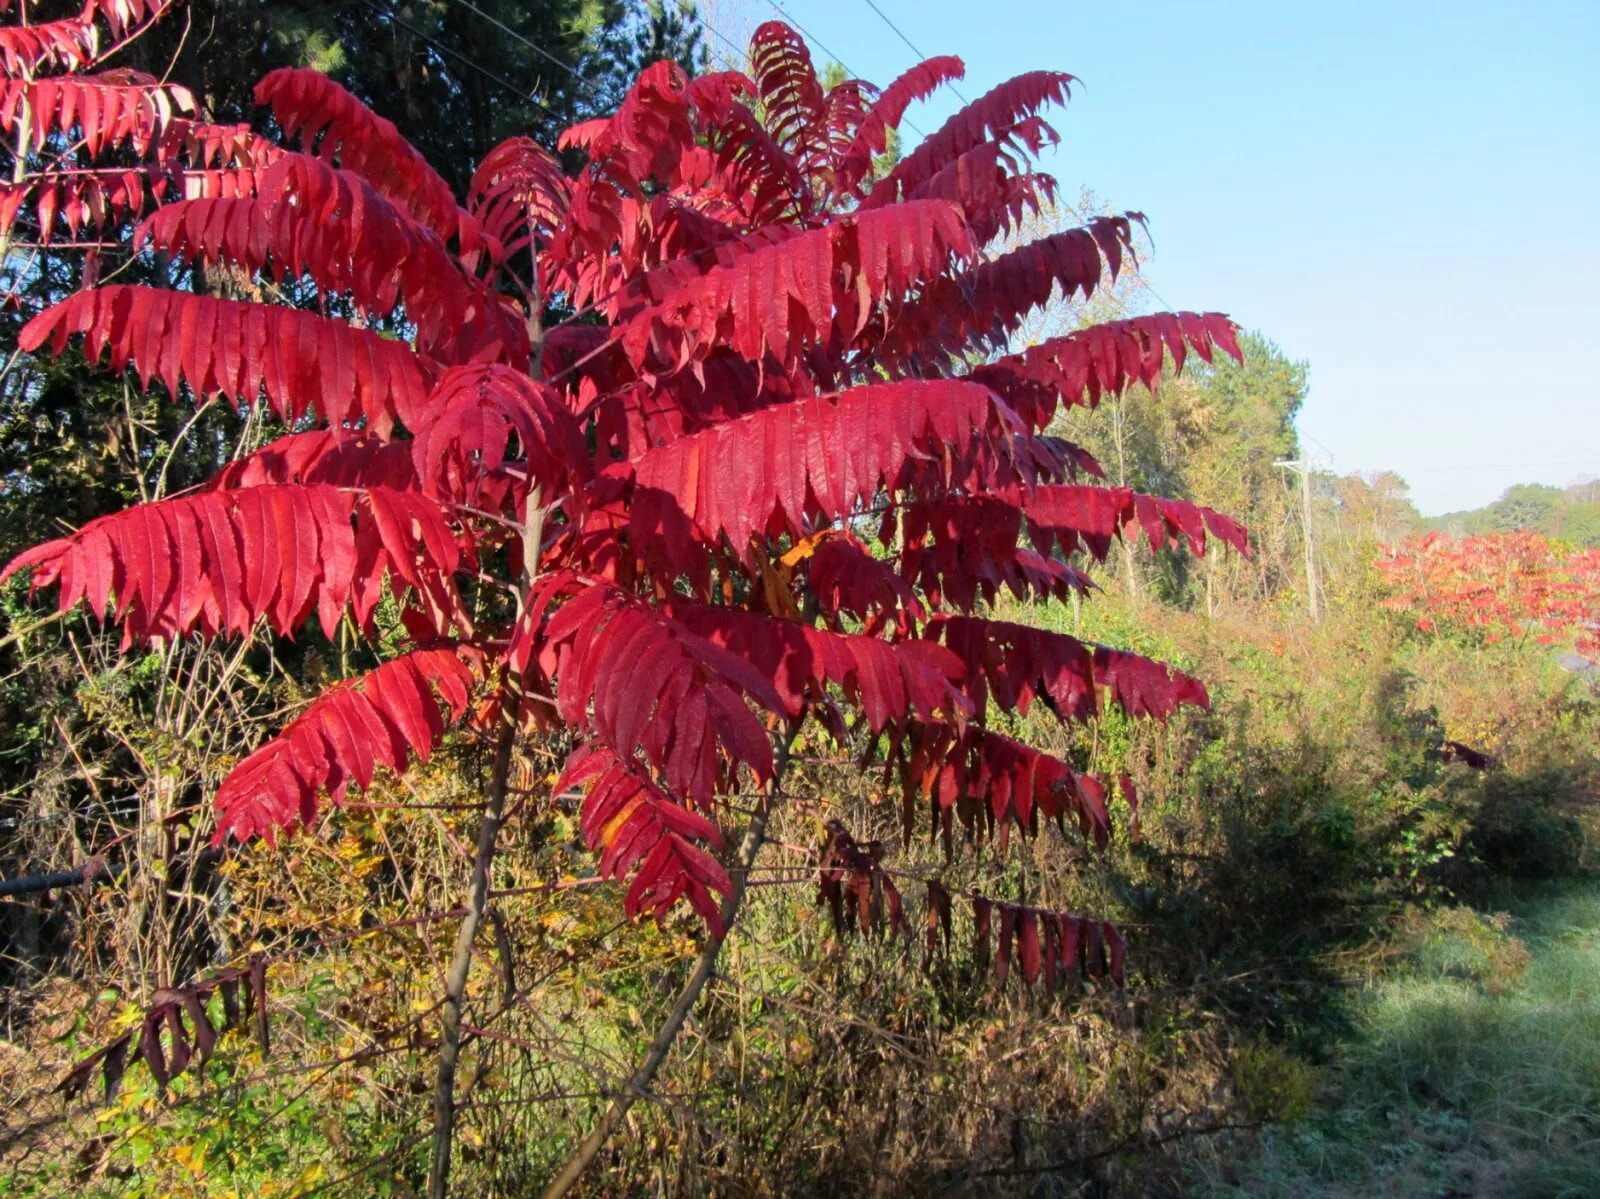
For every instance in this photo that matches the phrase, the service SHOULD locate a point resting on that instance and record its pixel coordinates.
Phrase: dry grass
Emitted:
(1476, 1071)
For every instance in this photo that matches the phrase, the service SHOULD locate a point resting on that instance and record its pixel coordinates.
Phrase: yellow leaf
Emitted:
(312, 1175)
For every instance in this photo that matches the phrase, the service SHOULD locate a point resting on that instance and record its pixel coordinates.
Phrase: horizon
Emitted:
(1266, 145)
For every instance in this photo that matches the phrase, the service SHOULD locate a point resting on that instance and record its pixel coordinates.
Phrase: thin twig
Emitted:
(444, 1105)
(705, 968)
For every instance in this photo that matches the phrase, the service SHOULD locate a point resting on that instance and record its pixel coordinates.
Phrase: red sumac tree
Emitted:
(1496, 585)
(751, 480)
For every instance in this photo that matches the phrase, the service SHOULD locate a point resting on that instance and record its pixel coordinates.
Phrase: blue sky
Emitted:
(1404, 195)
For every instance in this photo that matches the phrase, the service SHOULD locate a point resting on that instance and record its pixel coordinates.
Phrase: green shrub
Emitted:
(1526, 826)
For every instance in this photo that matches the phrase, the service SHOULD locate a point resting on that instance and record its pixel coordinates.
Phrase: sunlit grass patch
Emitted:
(1457, 1080)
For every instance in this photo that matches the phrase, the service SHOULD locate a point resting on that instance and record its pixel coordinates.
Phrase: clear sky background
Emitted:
(1405, 195)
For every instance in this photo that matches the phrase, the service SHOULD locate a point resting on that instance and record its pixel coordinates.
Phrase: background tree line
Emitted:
(1567, 514)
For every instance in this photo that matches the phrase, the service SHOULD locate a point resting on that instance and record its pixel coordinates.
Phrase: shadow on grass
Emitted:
(1473, 1070)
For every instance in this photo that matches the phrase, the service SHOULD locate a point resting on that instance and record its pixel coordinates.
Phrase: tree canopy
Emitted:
(1570, 515)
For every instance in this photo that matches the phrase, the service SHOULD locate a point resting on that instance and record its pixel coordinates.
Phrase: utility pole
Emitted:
(1122, 481)
(1302, 467)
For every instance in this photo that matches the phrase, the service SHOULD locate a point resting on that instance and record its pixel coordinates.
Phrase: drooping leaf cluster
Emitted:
(178, 1028)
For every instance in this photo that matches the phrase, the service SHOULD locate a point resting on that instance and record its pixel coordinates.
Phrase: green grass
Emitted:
(1474, 1070)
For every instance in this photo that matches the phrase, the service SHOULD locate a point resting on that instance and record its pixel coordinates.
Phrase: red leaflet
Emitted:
(988, 187)
(69, 43)
(1014, 663)
(646, 684)
(992, 782)
(163, 1043)
(350, 730)
(1142, 687)
(650, 131)
(714, 95)
(108, 111)
(816, 458)
(333, 123)
(636, 416)
(858, 891)
(1130, 796)
(988, 302)
(1053, 944)
(783, 297)
(1087, 518)
(847, 580)
(960, 548)
(636, 826)
(323, 456)
(887, 681)
(1008, 933)
(229, 154)
(872, 133)
(464, 430)
(1028, 952)
(219, 561)
(230, 348)
(990, 115)
(1103, 360)
(755, 175)
(124, 15)
(519, 193)
(81, 202)
(98, 200)
(938, 922)
(797, 109)
(307, 217)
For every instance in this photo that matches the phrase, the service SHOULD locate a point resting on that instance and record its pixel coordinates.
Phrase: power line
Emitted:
(912, 45)
(594, 95)
(586, 86)
(742, 52)
(710, 28)
(807, 34)
(441, 48)
(1071, 210)
(589, 85)
(727, 41)
(532, 45)
(810, 37)
(1591, 463)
